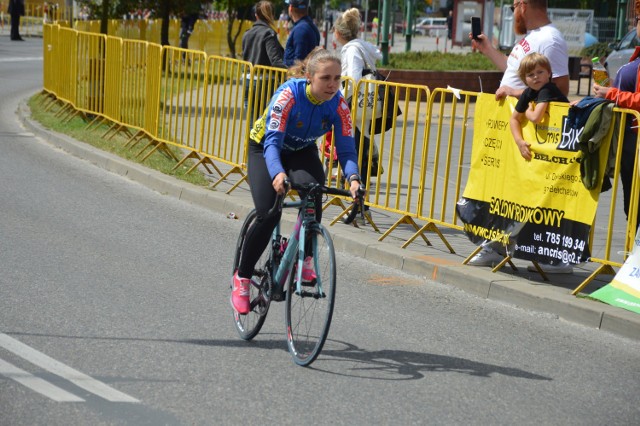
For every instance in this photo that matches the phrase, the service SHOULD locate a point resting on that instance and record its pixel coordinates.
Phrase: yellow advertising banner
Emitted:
(535, 210)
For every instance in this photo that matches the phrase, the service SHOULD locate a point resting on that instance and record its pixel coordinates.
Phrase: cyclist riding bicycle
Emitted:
(283, 145)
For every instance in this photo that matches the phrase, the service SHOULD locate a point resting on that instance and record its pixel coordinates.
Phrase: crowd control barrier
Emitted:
(205, 105)
(209, 35)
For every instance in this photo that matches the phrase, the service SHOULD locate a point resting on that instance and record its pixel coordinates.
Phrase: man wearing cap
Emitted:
(304, 36)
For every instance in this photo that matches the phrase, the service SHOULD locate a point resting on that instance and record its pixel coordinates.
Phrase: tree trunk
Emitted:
(165, 8)
(104, 17)
(231, 41)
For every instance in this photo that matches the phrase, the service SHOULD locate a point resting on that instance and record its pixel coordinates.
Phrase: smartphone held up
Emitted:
(476, 27)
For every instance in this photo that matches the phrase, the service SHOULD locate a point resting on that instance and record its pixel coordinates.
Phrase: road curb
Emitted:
(446, 270)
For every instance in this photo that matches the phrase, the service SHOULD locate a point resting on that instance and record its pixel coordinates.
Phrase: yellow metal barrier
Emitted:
(261, 83)
(113, 81)
(66, 65)
(396, 186)
(443, 162)
(605, 227)
(49, 42)
(208, 36)
(181, 94)
(142, 81)
(226, 121)
(153, 89)
(90, 84)
(197, 103)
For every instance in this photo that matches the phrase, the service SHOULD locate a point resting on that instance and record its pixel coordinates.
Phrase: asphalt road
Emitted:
(114, 310)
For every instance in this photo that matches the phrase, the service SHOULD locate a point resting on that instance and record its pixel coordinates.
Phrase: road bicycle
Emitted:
(277, 275)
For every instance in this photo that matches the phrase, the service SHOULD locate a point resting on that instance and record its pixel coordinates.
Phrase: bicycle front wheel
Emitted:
(308, 313)
(249, 325)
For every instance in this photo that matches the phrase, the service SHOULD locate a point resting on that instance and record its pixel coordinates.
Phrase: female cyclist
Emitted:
(282, 144)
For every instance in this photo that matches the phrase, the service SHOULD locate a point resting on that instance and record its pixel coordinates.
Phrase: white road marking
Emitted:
(22, 59)
(37, 384)
(74, 376)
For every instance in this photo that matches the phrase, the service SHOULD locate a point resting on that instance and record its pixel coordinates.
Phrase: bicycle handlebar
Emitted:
(309, 188)
(357, 206)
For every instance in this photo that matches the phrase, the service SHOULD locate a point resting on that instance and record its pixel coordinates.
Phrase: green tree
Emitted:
(164, 9)
(237, 10)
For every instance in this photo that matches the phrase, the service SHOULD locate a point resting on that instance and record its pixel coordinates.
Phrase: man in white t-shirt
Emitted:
(529, 17)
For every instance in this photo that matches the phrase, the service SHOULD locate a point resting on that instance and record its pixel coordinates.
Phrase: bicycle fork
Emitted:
(297, 241)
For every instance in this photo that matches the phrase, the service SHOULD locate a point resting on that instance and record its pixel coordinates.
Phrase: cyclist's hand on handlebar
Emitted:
(355, 189)
(278, 183)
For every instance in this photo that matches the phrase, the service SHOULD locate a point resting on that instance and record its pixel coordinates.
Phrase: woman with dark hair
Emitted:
(260, 46)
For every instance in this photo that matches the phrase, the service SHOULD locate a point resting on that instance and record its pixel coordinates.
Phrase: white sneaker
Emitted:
(486, 257)
(562, 268)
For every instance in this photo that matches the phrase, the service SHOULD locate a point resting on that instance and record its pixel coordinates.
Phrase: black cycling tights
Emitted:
(302, 166)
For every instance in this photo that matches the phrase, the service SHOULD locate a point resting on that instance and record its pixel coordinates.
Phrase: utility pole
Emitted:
(408, 31)
(366, 18)
(326, 25)
(386, 23)
(621, 16)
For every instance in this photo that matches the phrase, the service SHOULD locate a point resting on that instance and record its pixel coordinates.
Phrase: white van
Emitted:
(433, 27)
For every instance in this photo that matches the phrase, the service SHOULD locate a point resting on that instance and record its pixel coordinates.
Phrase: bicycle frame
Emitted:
(296, 242)
(308, 305)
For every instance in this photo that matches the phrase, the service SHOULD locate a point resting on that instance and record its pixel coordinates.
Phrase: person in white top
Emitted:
(356, 53)
(358, 57)
(530, 18)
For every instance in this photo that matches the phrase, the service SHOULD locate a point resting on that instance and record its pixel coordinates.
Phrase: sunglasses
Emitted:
(635, 20)
(516, 4)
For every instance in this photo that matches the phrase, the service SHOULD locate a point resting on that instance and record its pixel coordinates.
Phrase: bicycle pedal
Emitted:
(314, 294)
(311, 283)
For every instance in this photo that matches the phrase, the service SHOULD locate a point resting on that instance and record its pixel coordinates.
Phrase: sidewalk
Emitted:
(521, 288)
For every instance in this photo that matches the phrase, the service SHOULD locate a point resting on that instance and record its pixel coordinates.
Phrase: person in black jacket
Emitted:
(16, 10)
(187, 23)
(260, 46)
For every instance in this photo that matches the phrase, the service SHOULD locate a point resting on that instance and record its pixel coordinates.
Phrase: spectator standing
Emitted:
(16, 10)
(260, 46)
(304, 36)
(187, 23)
(625, 92)
(530, 18)
(357, 55)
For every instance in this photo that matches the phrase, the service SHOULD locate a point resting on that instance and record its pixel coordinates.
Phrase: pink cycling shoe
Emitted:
(308, 273)
(240, 294)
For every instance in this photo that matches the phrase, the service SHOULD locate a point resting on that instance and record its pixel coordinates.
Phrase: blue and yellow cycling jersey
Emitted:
(295, 120)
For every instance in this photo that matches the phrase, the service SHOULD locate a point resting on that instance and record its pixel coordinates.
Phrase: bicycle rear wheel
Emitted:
(308, 314)
(249, 325)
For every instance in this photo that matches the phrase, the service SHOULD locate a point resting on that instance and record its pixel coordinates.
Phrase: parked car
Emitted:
(622, 51)
(433, 27)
